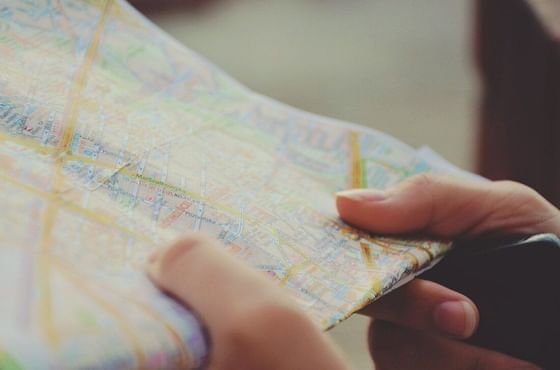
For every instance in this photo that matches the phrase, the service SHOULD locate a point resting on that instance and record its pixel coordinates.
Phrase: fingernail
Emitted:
(456, 318)
(363, 195)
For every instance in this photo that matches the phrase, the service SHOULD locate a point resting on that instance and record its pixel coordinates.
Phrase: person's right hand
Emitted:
(253, 324)
(418, 325)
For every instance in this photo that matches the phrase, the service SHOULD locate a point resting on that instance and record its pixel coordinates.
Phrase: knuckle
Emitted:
(423, 185)
(423, 180)
(523, 196)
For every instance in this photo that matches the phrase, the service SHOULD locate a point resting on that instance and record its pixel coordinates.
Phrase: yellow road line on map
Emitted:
(366, 254)
(421, 246)
(44, 263)
(84, 286)
(356, 235)
(130, 173)
(416, 245)
(357, 174)
(388, 247)
(52, 207)
(91, 215)
(401, 171)
(26, 143)
(376, 286)
(426, 250)
(295, 270)
(94, 162)
(44, 275)
(185, 359)
(81, 79)
(124, 170)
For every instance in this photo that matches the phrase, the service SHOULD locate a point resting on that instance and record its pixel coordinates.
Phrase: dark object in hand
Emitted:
(517, 290)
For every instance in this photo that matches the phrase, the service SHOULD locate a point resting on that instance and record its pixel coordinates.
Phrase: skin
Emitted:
(252, 323)
(418, 326)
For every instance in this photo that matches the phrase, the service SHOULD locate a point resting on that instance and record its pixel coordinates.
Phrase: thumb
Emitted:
(252, 323)
(448, 207)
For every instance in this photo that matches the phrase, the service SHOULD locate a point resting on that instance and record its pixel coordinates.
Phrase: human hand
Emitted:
(417, 326)
(252, 323)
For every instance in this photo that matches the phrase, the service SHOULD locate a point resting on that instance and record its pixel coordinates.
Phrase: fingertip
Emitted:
(456, 318)
(164, 260)
(344, 205)
(359, 207)
(179, 250)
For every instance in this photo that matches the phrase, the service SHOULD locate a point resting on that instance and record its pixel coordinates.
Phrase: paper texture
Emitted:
(115, 139)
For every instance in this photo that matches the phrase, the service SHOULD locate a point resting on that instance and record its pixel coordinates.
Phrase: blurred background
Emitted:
(394, 65)
(398, 66)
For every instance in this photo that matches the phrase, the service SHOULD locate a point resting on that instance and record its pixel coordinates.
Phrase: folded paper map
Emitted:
(114, 140)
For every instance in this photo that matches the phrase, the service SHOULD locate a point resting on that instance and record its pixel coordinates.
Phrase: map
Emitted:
(114, 140)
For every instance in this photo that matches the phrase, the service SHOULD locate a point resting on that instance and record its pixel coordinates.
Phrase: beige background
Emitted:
(400, 66)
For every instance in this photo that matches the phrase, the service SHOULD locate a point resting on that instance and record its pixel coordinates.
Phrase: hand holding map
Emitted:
(424, 325)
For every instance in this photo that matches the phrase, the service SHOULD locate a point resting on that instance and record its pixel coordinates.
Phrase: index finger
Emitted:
(446, 207)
